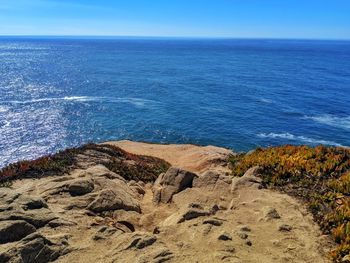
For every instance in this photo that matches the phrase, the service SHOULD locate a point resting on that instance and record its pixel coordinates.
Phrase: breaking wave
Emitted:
(331, 120)
(303, 139)
(3, 109)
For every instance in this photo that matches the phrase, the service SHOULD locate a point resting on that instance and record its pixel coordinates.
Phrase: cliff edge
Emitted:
(137, 202)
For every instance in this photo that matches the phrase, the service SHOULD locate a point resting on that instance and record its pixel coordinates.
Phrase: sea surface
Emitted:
(62, 92)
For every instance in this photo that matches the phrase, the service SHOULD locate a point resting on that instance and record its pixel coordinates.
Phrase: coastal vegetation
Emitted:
(129, 166)
(318, 175)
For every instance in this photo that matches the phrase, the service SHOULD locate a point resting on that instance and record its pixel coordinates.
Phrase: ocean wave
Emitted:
(138, 102)
(331, 120)
(3, 109)
(303, 139)
(268, 101)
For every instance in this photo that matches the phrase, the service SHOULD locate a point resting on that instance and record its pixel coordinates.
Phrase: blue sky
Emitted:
(322, 19)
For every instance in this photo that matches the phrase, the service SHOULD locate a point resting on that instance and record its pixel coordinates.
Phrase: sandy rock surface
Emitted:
(195, 212)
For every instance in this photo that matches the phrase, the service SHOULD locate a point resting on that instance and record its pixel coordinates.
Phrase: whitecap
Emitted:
(3, 109)
(331, 120)
(303, 139)
(268, 101)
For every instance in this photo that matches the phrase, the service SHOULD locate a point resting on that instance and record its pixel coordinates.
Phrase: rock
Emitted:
(32, 202)
(284, 228)
(100, 171)
(208, 179)
(193, 213)
(270, 213)
(244, 228)
(33, 210)
(212, 180)
(225, 236)
(249, 243)
(172, 182)
(37, 217)
(115, 199)
(129, 218)
(80, 187)
(141, 242)
(242, 235)
(213, 221)
(136, 187)
(185, 215)
(60, 222)
(162, 255)
(34, 248)
(105, 232)
(11, 231)
(249, 179)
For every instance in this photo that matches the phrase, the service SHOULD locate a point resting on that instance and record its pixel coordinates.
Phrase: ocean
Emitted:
(237, 93)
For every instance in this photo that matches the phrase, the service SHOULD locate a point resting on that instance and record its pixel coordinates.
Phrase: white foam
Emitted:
(3, 109)
(303, 139)
(268, 101)
(81, 98)
(331, 120)
(134, 101)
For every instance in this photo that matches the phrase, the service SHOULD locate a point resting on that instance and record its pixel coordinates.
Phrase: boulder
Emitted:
(37, 217)
(249, 179)
(172, 182)
(208, 179)
(11, 231)
(212, 180)
(80, 187)
(115, 199)
(34, 248)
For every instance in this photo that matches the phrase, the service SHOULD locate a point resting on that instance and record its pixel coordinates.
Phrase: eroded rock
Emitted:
(249, 179)
(80, 187)
(113, 200)
(140, 242)
(172, 182)
(11, 231)
(34, 248)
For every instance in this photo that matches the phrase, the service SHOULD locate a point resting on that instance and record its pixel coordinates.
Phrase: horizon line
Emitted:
(170, 37)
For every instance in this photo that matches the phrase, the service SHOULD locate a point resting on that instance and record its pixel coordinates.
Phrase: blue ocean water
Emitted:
(57, 93)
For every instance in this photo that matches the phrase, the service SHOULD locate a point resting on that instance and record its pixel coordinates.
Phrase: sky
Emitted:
(307, 19)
